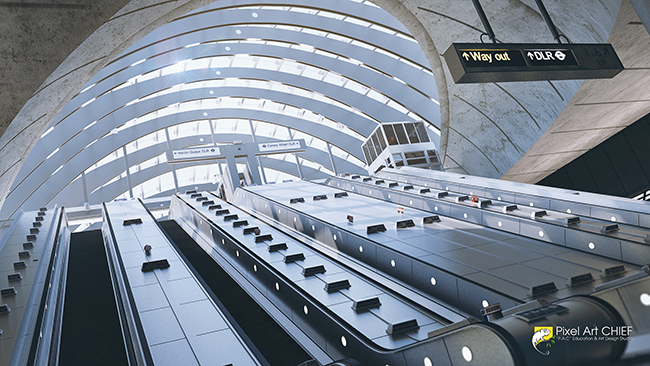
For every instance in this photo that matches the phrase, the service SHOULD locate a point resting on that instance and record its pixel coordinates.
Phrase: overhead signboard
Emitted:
(237, 150)
(281, 145)
(492, 62)
(196, 153)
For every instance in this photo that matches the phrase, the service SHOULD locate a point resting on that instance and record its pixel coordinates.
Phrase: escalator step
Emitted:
(91, 333)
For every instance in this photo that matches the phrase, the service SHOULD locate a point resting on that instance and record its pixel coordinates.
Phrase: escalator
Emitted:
(272, 341)
(91, 333)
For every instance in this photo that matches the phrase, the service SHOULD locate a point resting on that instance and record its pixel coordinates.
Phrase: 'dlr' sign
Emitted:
(560, 57)
(483, 63)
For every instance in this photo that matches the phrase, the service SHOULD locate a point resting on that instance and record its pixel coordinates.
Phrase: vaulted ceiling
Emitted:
(231, 71)
(485, 129)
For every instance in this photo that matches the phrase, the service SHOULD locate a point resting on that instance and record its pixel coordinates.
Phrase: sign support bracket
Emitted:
(486, 24)
(549, 22)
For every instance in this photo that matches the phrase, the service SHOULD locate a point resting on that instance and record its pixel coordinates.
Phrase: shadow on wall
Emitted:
(619, 166)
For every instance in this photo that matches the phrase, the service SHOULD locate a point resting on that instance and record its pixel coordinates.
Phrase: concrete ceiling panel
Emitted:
(472, 158)
(593, 24)
(35, 38)
(599, 109)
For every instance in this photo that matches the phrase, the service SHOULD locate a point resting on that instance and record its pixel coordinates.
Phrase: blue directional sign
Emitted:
(213, 153)
(492, 62)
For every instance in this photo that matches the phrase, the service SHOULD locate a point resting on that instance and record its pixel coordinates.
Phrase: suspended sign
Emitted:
(281, 145)
(492, 62)
(236, 150)
(192, 154)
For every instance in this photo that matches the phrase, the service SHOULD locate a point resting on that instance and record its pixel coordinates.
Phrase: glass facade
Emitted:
(286, 73)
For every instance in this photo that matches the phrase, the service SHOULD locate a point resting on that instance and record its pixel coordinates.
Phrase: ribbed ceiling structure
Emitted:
(327, 72)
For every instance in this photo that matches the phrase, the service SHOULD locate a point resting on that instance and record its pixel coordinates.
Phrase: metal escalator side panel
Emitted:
(134, 338)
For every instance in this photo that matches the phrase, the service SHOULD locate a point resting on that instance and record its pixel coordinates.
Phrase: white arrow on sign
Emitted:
(560, 55)
(530, 55)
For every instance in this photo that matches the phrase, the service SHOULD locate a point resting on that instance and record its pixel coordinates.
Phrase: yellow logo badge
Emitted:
(543, 335)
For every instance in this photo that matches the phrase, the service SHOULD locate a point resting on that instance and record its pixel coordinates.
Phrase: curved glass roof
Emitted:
(326, 72)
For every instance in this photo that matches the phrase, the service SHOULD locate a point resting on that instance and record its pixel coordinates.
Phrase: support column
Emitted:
(231, 177)
(85, 187)
(128, 175)
(172, 165)
(259, 162)
(214, 142)
(329, 151)
(295, 155)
